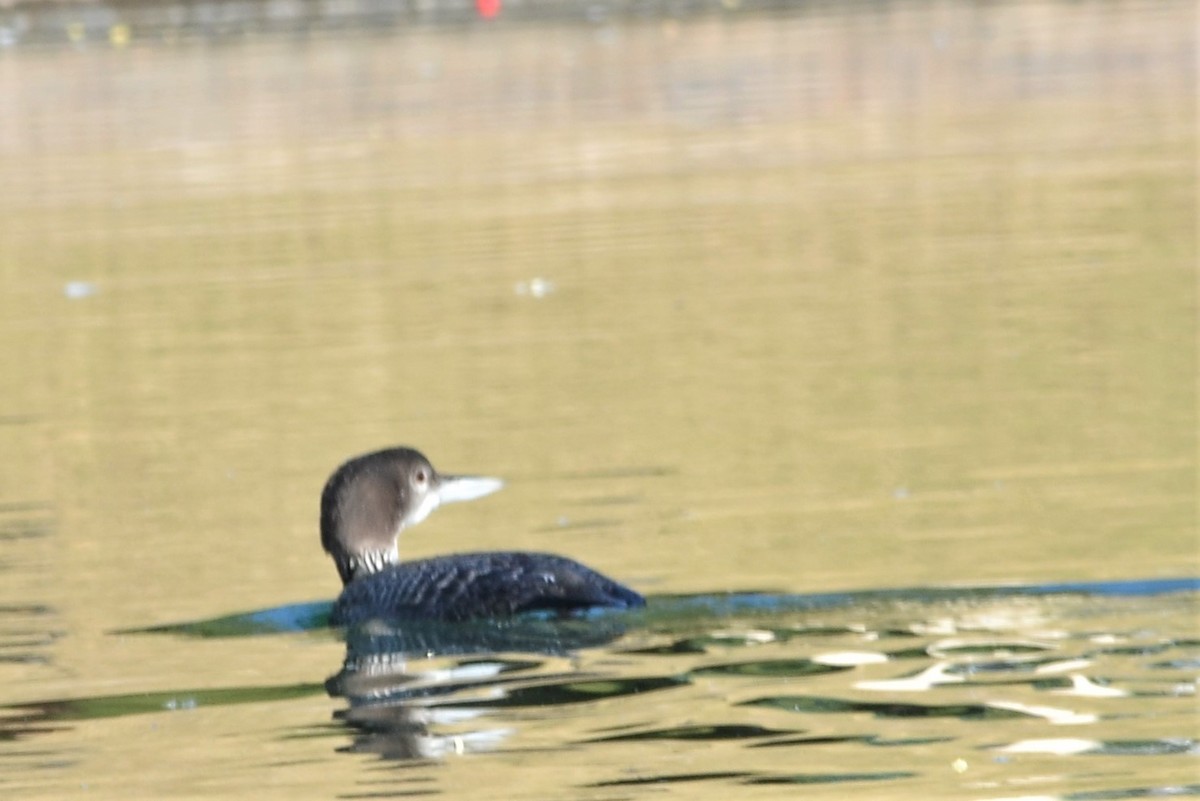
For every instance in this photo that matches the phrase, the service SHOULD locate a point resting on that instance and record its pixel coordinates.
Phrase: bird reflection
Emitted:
(403, 693)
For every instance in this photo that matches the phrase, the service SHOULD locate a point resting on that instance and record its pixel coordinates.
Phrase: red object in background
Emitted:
(487, 8)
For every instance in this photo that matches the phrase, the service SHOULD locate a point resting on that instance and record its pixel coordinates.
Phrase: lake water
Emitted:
(861, 338)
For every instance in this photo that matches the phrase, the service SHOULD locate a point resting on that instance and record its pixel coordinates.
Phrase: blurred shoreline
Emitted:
(120, 23)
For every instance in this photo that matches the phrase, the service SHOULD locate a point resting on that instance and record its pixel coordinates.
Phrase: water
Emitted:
(983, 693)
(811, 323)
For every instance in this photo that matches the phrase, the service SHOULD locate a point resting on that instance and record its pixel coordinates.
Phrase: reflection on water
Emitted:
(930, 689)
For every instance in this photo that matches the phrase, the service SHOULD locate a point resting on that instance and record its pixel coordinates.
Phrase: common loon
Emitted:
(371, 498)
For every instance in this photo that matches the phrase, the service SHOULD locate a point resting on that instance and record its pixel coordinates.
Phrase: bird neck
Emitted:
(366, 562)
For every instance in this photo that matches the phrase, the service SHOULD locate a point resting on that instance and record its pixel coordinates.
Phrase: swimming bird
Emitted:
(371, 498)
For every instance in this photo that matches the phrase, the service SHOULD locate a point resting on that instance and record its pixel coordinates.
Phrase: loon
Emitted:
(371, 498)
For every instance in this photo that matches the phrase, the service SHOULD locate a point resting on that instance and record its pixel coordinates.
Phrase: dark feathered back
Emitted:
(495, 584)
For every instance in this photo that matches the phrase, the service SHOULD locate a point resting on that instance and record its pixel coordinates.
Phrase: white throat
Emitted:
(422, 510)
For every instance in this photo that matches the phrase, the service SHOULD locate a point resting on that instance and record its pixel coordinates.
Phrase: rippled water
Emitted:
(1080, 692)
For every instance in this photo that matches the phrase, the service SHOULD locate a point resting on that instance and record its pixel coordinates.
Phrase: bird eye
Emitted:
(421, 477)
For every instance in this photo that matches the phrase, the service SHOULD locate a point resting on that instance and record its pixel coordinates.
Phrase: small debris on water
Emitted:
(76, 290)
(536, 288)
